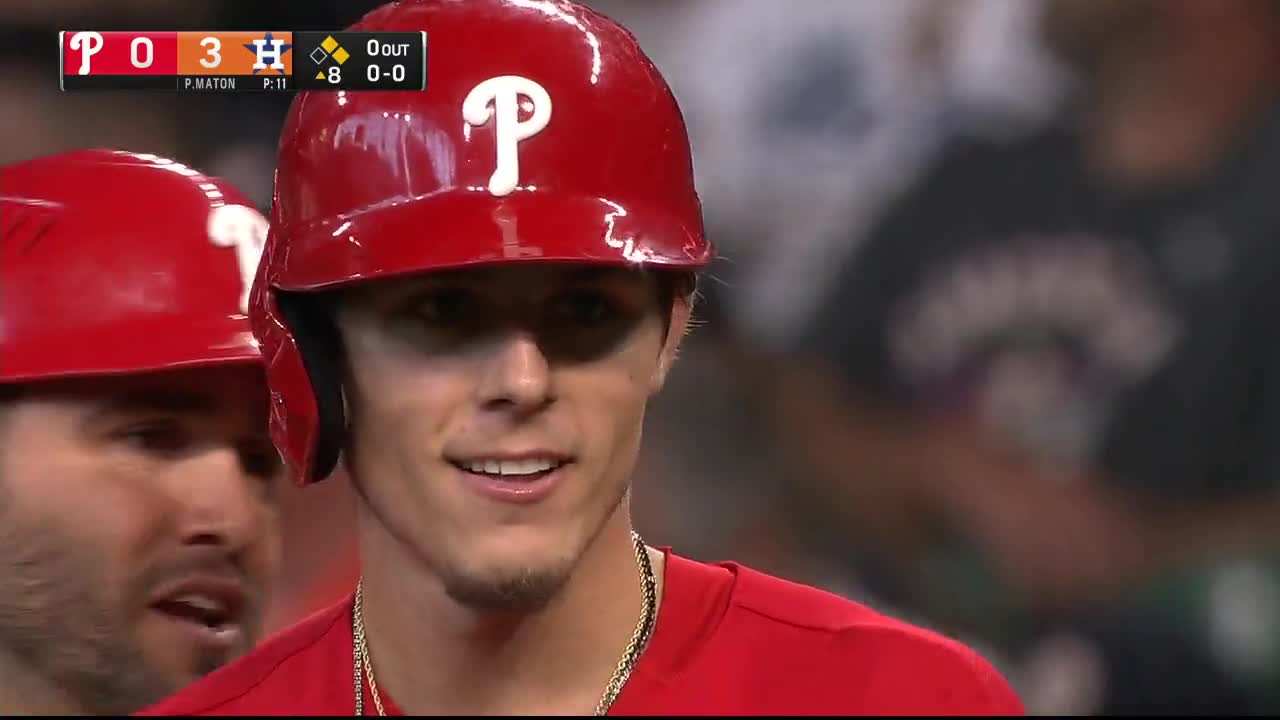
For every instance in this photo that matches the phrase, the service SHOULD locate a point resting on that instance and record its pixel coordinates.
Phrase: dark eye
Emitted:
(443, 307)
(261, 461)
(155, 437)
(584, 307)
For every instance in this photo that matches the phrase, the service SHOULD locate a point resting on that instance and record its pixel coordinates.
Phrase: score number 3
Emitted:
(214, 46)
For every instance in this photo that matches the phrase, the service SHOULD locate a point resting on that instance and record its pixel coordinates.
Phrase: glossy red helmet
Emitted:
(114, 262)
(544, 134)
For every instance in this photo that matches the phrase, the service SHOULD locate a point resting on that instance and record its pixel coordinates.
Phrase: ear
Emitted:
(678, 328)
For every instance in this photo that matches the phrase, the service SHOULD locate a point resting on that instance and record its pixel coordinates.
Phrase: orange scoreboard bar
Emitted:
(220, 62)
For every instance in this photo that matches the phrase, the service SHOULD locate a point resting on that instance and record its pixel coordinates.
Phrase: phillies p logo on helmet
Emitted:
(244, 229)
(504, 92)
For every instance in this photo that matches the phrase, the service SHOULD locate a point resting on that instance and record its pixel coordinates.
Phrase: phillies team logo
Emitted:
(245, 229)
(90, 44)
(504, 92)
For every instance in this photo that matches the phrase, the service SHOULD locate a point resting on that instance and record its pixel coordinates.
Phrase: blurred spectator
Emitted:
(807, 118)
(1043, 401)
(38, 120)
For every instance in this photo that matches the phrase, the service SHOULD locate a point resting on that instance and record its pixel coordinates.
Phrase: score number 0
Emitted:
(374, 73)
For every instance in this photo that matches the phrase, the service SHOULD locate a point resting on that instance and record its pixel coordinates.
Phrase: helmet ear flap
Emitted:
(310, 319)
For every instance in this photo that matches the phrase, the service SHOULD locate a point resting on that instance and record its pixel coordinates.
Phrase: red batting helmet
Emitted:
(544, 134)
(114, 262)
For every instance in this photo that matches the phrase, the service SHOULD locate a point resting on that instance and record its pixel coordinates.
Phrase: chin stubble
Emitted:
(57, 622)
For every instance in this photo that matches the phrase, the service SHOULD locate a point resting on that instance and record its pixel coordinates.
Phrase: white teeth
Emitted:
(511, 467)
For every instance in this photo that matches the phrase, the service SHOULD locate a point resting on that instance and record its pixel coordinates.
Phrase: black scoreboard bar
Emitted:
(360, 60)
(229, 62)
(182, 83)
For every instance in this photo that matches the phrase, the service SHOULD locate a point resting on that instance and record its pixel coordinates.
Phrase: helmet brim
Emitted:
(461, 229)
(130, 349)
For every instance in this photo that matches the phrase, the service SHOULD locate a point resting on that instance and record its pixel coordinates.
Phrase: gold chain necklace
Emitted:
(644, 628)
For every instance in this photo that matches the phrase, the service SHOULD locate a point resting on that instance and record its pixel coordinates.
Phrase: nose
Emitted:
(219, 502)
(517, 374)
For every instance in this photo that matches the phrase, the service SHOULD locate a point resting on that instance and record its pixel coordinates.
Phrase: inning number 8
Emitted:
(244, 229)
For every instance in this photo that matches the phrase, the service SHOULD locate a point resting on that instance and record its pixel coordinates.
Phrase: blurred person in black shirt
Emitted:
(1049, 383)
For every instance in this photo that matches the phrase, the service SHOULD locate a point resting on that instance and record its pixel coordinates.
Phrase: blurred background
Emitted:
(991, 347)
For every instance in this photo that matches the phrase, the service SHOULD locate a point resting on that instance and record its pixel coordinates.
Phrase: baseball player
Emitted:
(470, 294)
(137, 526)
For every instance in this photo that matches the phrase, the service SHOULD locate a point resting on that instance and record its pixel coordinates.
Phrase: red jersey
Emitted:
(729, 641)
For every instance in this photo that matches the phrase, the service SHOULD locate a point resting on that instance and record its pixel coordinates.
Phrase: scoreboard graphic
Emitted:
(229, 62)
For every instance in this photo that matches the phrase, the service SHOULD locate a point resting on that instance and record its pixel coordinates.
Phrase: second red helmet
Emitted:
(545, 134)
(116, 263)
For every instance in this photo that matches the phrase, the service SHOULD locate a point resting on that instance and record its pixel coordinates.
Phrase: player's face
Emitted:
(137, 531)
(495, 415)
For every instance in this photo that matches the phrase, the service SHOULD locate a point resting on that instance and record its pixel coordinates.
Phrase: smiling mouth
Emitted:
(521, 470)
